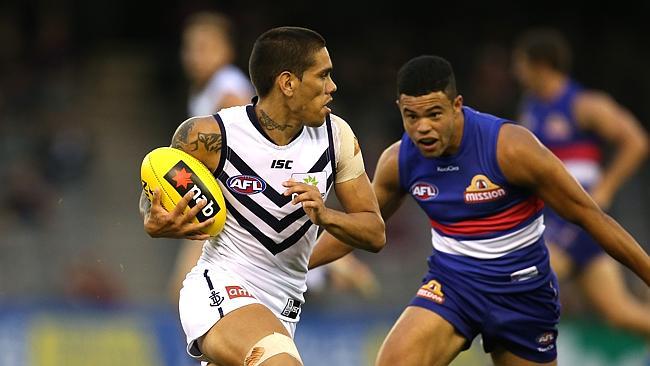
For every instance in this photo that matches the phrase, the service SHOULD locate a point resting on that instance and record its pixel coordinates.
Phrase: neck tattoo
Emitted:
(270, 124)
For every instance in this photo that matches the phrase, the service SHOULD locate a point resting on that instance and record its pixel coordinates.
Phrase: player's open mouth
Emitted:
(427, 142)
(327, 108)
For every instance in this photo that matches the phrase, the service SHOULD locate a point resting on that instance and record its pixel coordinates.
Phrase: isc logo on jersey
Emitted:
(423, 191)
(246, 184)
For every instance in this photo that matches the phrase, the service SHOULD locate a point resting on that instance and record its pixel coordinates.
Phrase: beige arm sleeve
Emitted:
(349, 160)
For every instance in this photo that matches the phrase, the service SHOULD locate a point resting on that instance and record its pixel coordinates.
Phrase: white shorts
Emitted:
(209, 293)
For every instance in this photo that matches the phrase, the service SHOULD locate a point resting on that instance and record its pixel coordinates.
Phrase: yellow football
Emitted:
(176, 172)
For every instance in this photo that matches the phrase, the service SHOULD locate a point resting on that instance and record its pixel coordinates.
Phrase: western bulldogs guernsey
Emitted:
(267, 240)
(484, 230)
(555, 125)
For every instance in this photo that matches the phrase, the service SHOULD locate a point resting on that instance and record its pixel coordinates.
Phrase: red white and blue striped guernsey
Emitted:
(482, 227)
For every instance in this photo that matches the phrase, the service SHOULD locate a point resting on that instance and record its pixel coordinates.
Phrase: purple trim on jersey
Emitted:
(252, 116)
(224, 146)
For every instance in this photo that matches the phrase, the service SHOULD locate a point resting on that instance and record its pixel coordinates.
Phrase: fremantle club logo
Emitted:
(481, 189)
(183, 179)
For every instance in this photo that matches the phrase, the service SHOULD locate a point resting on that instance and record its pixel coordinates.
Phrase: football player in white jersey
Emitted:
(207, 54)
(275, 161)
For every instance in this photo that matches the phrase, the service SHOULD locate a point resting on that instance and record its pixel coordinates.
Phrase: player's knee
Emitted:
(273, 350)
(391, 354)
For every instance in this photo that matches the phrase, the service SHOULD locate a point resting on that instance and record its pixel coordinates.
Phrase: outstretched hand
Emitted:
(159, 223)
(350, 272)
(310, 198)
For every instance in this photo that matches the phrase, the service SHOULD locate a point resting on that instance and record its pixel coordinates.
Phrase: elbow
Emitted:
(638, 143)
(377, 247)
(378, 242)
(644, 146)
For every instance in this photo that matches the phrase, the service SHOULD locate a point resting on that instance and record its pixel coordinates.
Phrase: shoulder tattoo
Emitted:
(210, 141)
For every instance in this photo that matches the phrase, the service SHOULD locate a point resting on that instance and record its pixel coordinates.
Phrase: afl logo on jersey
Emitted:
(423, 191)
(246, 184)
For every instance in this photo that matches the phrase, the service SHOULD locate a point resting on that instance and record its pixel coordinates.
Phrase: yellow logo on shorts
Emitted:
(432, 291)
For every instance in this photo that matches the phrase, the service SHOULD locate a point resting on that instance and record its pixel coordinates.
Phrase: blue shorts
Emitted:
(571, 239)
(524, 323)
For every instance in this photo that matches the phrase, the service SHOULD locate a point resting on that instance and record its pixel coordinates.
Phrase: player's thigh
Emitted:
(501, 357)
(420, 337)
(229, 341)
(604, 285)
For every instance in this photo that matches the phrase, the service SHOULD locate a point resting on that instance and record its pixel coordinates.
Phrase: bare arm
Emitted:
(200, 137)
(526, 162)
(386, 188)
(613, 123)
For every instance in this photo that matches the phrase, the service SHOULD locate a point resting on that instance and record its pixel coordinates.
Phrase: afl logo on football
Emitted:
(424, 191)
(246, 184)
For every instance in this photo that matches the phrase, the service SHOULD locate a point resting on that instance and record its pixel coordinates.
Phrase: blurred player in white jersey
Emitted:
(208, 54)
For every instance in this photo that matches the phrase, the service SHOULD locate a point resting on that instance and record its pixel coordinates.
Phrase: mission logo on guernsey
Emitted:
(483, 190)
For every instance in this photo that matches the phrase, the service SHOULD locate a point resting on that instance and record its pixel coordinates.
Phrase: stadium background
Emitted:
(87, 88)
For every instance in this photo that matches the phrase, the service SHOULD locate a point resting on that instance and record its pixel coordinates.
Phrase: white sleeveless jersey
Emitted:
(227, 80)
(267, 240)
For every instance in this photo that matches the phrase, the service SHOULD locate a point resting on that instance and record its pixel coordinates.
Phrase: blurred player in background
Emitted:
(276, 160)
(574, 123)
(483, 182)
(207, 55)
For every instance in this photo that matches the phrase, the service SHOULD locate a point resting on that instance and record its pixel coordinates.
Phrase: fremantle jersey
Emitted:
(482, 228)
(554, 123)
(267, 240)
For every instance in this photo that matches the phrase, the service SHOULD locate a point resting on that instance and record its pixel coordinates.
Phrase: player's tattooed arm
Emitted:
(200, 137)
(189, 138)
(145, 205)
(210, 141)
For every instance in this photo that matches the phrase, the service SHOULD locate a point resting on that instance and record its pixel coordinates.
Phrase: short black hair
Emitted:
(282, 49)
(547, 46)
(426, 74)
